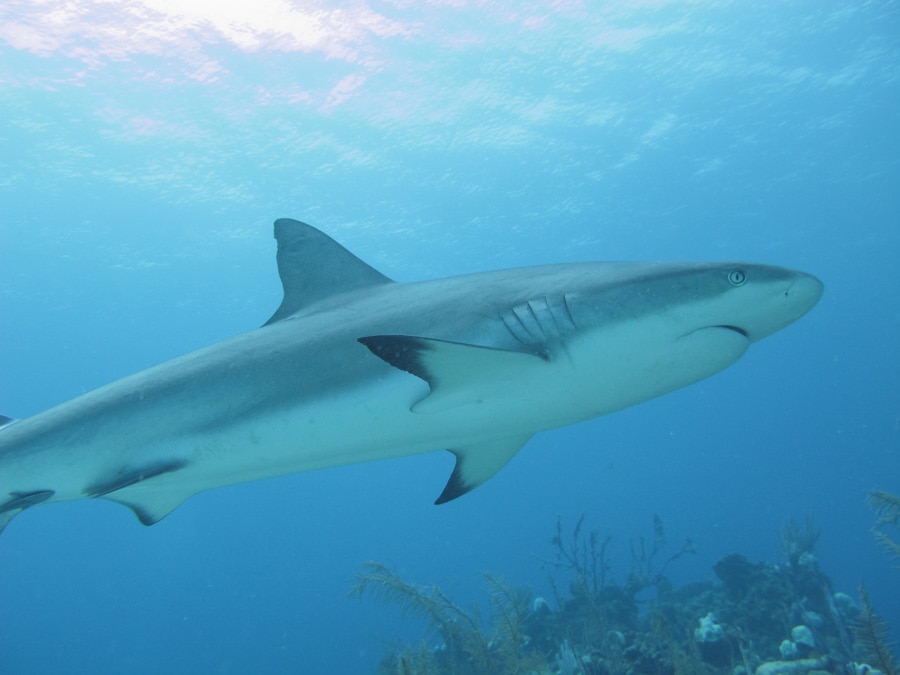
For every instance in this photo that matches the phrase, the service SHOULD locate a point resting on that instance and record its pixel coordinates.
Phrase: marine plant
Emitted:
(799, 543)
(870, 631)
(683, 654)
(566, 661)
(467, 648)
(594, 604)
(744, 623)
(599, 613)
(586, 557)
(871, 634)
(647, 567)
(887, 507)
(509, 610)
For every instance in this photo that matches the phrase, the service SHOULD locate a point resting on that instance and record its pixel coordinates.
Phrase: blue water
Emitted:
(145, 151)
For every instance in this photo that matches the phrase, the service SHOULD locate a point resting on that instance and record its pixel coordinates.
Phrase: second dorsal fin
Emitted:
(313, 266)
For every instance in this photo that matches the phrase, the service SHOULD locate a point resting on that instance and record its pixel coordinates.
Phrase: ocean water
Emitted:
(146, 147)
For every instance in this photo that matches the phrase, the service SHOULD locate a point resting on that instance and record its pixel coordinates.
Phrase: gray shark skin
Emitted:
(354, 367)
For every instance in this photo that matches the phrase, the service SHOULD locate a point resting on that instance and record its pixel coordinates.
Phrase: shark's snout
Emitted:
(804, 292)
(781, 303)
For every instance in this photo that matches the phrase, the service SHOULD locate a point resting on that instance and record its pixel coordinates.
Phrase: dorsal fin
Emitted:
(313, 266)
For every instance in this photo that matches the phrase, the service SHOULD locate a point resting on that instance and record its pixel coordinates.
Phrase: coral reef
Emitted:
(756, 619)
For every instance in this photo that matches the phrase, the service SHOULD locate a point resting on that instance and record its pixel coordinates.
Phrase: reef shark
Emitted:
(355, 367)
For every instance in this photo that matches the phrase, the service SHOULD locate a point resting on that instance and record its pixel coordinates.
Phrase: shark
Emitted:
(354, 367)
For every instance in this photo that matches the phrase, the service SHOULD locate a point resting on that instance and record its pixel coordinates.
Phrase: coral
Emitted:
(709, 630)
(566, 661)
(466, 649)
(646, 570)
(509, 609)
(887, 506)
(587, 558)
(760, 619)
(799, 544)
(870, 632)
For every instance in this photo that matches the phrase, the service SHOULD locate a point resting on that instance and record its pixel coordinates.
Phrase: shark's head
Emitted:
(748, 299)
(644, 329)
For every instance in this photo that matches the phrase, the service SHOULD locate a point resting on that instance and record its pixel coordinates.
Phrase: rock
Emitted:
(799, 667)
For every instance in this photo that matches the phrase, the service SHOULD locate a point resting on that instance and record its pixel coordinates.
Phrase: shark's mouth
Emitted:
(736, 329)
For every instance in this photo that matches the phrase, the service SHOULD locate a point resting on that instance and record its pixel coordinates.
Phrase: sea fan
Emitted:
(887, 507)
(870, 632)
(467, 650)
(459, 629)
(427, 602)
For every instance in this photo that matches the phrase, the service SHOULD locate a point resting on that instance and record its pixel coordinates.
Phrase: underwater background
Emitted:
(147, 146)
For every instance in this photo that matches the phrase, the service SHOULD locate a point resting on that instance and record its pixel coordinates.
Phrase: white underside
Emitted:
(592, 376)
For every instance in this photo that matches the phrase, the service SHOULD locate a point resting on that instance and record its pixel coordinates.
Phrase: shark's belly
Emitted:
(375, 420)
(363, 424)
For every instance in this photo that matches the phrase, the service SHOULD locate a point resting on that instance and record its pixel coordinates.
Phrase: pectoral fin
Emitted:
(457, 373)
(477, 462)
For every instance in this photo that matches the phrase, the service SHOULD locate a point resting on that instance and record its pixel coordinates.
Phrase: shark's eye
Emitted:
(737, 277)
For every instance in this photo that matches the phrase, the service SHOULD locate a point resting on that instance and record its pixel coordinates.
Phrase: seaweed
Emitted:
(509, 608)
(682, 652)
(871, 634)
(798, 544)
(887, 507)
(587, 558)
(646, 569)
(459, 630)
(466, 648)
